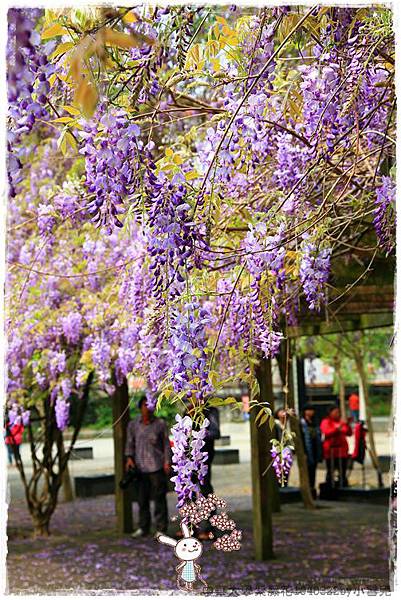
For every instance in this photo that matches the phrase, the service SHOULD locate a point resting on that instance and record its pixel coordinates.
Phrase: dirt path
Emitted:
(338, 546)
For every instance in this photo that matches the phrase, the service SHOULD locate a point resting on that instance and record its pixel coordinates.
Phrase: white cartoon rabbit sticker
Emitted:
(188, 550)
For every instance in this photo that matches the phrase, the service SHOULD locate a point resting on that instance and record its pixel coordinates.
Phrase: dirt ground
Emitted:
(339, 546)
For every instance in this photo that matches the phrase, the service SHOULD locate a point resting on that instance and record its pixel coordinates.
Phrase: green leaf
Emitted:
(222, 401)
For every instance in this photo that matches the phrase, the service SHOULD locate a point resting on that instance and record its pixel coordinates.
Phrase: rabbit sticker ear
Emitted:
(164, 539)
(185, 530)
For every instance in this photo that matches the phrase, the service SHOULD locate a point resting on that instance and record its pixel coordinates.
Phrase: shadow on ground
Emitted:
(340, 546)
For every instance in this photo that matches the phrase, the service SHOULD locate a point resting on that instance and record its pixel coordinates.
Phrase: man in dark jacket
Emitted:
(213, 433)
(148, 449)
(312, 443)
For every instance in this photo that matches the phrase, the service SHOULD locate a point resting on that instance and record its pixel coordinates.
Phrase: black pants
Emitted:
(153, 486)
(206, 487)
(339, 465)
(312, 475)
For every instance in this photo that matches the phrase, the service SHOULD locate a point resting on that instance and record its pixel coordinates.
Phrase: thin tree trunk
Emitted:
(68, 492)
(304, 484)
(121, 417)
(287, 379)
(372, 446)
(262, 489)
(341, 384)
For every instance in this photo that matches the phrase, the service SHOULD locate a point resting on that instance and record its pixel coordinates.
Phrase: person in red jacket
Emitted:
(353, 403)
(335, 445)
(13, 438)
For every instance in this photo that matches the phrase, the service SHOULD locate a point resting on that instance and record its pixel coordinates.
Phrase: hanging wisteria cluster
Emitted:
(189, 461)
(184, 187)
(282, 460)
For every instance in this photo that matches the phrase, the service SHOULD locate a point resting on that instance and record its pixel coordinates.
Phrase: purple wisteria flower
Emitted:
(188, 344)
(282, 462)
(189, 462)
(265, 258)
(17, 414)
(314, 272)
(46, 219)
(57, 363)
(72, 325)
(111, 150)
(62, 411)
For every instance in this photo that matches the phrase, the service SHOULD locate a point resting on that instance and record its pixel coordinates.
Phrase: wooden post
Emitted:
(120, 403)
(295, 426)
(68, 493)
(262, 489)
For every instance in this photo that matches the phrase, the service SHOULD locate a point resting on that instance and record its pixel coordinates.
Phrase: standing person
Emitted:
(281, 423)
(353, 403)
(335, 446)
(148, 449)
(212, 434)
(13, 438)
(245, 406)
(312, 443)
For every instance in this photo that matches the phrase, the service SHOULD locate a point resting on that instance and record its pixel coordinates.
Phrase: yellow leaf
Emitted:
(52, 79)
(226, 30)
(212, 48)
(71, 140)
(62, 49)
(191, 175)
(131, 17)
(215, 62)
(53, 31)
(193, 56)
(221, 20)
(62, 142)
(123, 40)
(63, 120)
(177, 159)
(86, 95)
(71, 109)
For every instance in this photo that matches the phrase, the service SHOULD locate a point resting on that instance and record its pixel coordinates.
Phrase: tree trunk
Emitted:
(68, 493)
(123, 503)
(341, 386)
(262, 488)
(41, 527)
(48, 472)
(304, 484)
(372, 446)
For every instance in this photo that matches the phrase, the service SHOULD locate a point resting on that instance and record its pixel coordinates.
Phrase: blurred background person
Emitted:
(245, 406)
(353, 403)
(335, 446)
(13, 438)
(312, 443)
